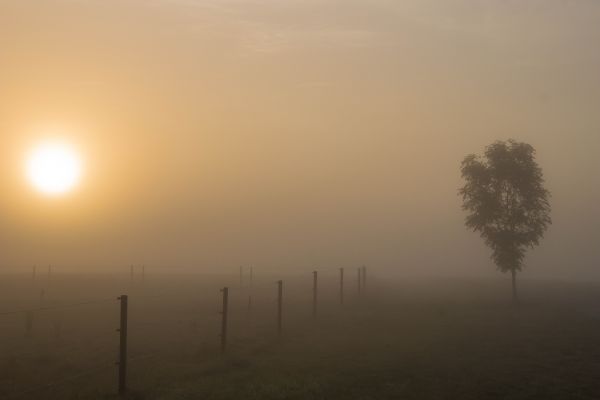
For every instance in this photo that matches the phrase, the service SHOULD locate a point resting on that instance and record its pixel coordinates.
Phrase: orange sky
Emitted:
(304, 132)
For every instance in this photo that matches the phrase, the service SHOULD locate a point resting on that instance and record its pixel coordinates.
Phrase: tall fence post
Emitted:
(33, 273)
(224, 313)
(315, 287)
(131, 274)
(241, 276)
(123, 346)
(279, 307)
(341, 285)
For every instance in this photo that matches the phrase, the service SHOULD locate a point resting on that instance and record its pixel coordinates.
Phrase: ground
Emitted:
(402, 339)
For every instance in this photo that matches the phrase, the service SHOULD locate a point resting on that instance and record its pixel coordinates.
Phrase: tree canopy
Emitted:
(506, 201)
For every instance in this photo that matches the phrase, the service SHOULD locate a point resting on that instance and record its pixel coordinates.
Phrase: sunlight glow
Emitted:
(54, 168)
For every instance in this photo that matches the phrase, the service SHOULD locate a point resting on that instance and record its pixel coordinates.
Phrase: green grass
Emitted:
(429, 341)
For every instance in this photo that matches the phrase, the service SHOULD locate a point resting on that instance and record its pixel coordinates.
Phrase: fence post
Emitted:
(143, 274)
(131, 274)
(49, 272)
(225, 291)
(341, 285)
(241, 276)
(359, 281)
(33, 273)
(123, 346)
(364, 279)
(279, 307)
(314, 310)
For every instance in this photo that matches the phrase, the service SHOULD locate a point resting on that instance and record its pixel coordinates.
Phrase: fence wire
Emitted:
(252, 313)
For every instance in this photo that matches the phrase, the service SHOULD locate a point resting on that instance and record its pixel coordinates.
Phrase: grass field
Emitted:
(417, 339)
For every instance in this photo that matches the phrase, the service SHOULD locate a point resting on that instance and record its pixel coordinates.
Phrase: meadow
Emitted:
(399, 339)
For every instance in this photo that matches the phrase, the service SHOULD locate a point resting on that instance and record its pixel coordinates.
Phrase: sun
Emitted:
(54, 168)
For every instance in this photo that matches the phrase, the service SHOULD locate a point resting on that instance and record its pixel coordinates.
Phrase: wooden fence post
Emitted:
(224, 313)
(33, 273)
(315, 287)
(123, 346)
(279, 307)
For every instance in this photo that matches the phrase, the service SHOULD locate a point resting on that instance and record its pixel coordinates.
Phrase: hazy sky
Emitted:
(294, 133)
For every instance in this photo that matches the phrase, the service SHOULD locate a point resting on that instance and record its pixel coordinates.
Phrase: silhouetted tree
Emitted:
(507, 203)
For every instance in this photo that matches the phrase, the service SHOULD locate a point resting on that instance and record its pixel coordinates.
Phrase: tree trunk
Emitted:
(514, 286)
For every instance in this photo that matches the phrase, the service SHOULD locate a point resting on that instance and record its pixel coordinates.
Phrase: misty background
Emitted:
(296, 133)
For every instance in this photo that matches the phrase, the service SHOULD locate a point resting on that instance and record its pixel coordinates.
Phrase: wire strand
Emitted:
(57, 307)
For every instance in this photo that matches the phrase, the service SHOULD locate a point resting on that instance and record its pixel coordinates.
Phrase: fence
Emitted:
(148, 320)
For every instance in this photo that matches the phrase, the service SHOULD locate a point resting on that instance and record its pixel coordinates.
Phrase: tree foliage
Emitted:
(506, 201)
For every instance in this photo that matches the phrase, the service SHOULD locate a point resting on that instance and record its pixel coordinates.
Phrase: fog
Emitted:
(294, 134)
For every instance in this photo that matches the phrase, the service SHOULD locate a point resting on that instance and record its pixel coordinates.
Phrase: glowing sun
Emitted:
(54, 168)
